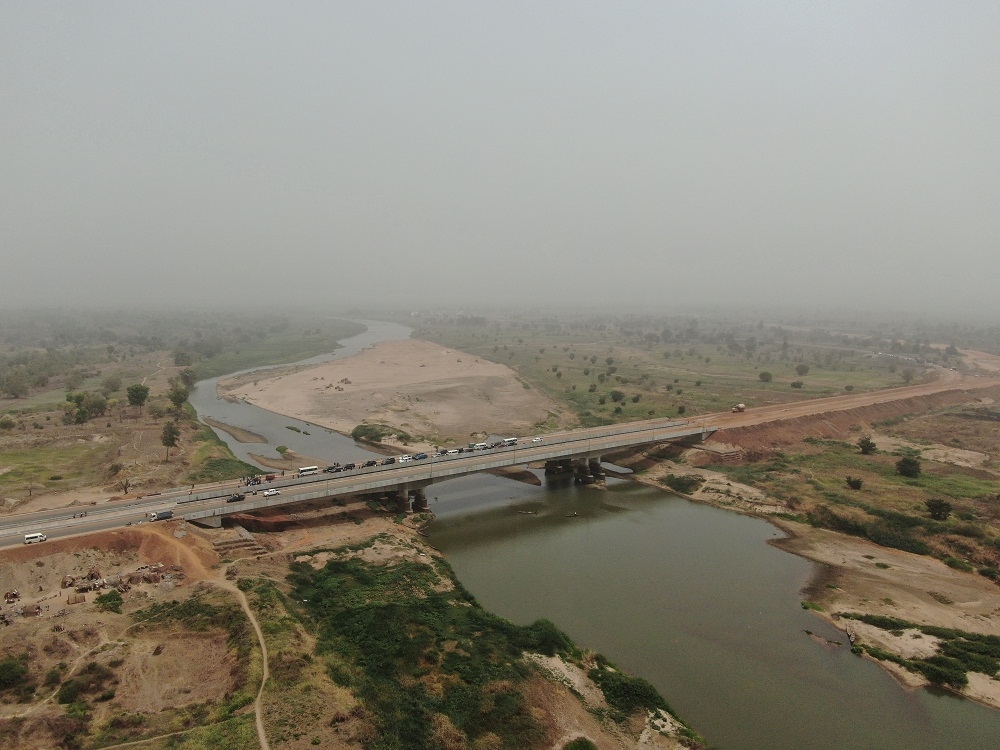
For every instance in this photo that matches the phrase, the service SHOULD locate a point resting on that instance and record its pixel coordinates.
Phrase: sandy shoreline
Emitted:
(438, 396)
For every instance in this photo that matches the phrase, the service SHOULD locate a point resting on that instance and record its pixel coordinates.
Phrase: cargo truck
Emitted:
(160, 515)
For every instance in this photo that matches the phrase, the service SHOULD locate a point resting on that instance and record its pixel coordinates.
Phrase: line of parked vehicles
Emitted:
(336, 468)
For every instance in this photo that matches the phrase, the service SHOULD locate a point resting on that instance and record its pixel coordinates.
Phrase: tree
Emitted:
(855, 482)
(866, 445)
(137, 395)
(111, 383)
(797, 384)
(801, 369)
(170, 436)
(764, 376)
(188, 377)
(939, 509)
(907, 375)
(908, 466)
(178, 394)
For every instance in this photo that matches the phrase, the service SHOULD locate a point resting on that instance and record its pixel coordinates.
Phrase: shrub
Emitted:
(908, 466)
(110, 602)
(12, 671)
(7, 423)
(866, 445)
(627, 693)
(797, 384)
(938, 509)
(580, 743)
(765, 377)
(683, 484)
(854, 482)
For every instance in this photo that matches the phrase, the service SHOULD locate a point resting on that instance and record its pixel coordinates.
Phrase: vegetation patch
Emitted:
(376, 433)
(959, 651)
(425, 660)
(685, 485)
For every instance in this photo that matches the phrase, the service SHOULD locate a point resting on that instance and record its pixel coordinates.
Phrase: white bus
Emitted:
(36, 537)
(509, 441)
(305, 471)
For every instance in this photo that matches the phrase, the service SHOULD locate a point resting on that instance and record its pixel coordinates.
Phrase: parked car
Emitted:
(332, 469)
(454, 451)
(350, 466)
(387, 461)
(404, 459)
(271, 493)
(236, 498)
(536, 440)
(369, 463)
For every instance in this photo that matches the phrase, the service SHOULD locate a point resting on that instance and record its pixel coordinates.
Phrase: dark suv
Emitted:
(236, 498)
(387, 461)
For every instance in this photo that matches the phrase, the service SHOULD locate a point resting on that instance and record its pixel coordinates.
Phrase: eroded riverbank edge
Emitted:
(853, 575)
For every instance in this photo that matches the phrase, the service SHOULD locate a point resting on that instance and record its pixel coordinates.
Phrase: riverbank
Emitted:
(858, 576)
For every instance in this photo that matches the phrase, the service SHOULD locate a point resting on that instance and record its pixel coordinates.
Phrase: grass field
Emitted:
(609, 372)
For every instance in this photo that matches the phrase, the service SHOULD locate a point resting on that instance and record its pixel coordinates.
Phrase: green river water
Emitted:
(693, 599)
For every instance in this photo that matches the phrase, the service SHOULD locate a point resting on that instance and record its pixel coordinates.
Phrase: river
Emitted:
(688, 596)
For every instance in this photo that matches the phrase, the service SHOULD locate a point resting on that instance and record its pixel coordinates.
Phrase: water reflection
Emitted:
(693, 599)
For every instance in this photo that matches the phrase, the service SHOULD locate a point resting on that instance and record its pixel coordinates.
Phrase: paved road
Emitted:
(61, 522)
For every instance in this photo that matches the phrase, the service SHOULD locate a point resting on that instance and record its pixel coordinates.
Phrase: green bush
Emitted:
(580, 743)
(12, 671)
(626, 693)
(683, 484)
(110, 602)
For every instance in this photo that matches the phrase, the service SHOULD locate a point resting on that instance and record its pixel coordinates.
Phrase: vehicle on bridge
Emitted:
(160, 515)
(35, 537)
(507, 442)
(306, 471)
(332, 468)
(236, 498)
(387, 461)
(271, 493)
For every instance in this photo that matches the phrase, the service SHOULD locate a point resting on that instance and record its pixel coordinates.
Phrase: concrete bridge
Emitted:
(577, 451)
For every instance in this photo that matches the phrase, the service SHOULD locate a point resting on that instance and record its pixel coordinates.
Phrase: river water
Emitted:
(690, 597)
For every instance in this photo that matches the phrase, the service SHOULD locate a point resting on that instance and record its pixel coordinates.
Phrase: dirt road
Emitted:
(949, 380)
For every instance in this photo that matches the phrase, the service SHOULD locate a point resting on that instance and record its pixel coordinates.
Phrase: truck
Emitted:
(740, 407)
(160, 515)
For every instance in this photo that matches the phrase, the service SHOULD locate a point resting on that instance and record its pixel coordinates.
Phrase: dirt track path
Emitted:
(257, 704)
(949, 381)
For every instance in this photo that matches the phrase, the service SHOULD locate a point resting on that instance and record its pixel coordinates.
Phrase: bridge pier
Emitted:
(596, 470)
(420, 503)
(403, 500)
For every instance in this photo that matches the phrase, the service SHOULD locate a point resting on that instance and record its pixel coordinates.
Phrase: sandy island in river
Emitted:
(447, 396)
(437, 395)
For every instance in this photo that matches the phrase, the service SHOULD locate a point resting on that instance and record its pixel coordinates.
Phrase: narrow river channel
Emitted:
(690, 597)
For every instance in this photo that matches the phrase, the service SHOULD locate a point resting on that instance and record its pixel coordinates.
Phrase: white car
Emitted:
(271, 493)
(404, 459)
(536, 440)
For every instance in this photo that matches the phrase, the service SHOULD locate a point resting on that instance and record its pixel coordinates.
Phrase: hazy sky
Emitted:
(522, 153)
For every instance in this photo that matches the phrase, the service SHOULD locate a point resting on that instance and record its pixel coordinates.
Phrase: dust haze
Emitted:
(509, 154)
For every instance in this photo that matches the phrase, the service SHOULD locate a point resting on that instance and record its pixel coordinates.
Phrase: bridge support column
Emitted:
(420, 501)
(403, 500)
(552, 467)
(594, 464)
(581, 472)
